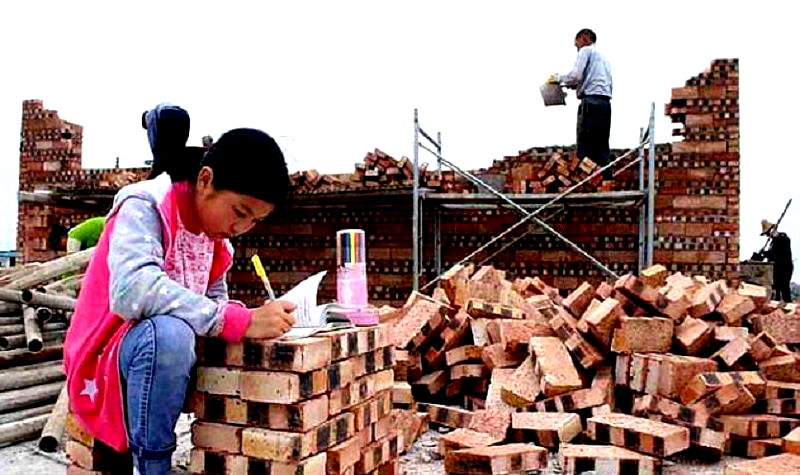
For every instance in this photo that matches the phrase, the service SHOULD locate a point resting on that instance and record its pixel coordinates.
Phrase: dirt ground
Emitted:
(421, 459)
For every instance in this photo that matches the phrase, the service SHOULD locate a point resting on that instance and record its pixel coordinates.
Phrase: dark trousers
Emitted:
(780, 282)
(594, 126)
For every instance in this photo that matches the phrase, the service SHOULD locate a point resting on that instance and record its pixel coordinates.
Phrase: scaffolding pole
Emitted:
(642, 208)
(415, 209)
(651, 186)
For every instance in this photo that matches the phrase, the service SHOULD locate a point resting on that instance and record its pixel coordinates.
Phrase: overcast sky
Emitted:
(334, 80)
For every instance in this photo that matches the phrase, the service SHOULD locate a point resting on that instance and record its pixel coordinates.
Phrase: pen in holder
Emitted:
(351, 276)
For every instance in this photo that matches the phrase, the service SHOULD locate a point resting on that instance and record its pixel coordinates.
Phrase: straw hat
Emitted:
(766, 227)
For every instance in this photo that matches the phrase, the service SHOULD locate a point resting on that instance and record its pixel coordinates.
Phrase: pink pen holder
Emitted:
(351, 277)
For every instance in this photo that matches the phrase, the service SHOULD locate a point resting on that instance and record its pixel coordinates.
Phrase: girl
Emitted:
(157, 279)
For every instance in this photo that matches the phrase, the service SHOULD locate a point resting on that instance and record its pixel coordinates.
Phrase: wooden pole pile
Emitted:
(35, 304)
(624, 373)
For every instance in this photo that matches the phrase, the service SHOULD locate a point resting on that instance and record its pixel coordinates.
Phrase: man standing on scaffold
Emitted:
(591, 78)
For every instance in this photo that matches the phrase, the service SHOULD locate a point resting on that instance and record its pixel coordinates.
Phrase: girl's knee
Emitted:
(174, 341)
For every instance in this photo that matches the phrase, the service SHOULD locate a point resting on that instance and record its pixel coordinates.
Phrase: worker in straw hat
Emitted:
(780, 254)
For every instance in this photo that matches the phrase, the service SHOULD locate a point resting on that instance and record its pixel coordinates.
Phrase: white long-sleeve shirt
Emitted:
(591, 74)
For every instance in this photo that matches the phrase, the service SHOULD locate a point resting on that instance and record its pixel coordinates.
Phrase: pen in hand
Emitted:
(263, 275)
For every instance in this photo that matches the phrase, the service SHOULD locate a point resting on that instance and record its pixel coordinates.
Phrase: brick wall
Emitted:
(697, 209)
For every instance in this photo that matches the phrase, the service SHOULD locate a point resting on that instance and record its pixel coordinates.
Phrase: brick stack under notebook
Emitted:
(316, 405)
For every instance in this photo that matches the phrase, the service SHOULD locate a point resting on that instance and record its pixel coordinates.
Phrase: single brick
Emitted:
(292, 447)
(464, 439)
(301, 416)
(516, 334)
(734, 307)
(494, 421)
(602, 320)
(547, 429)
(578, 300)
(343, 456)
(758, 426)
(496, 356)
(587, 355)
(494, 397)
(782, 390)
(498, 459)
(422, 319)
(674, 412)
(757, 293)
(654, 276)
(522, 388)
(461, 354)
(791, 441)
(480, 332)
(300, 355)
(430, 384)
(643, 435)
(784, 328)
(401, 393)
(224, 381)
(693, 335)
(723, 335)
(75, 430)
(281, 387)
(553, 366)
(455, 283)
(783, 464)
(753, 448)
(763, 346)
(706, 299)
(448, 416)
(478, 308)
(778, 406)
(462, 371)
(99, 457)
(735, 355)
(408, 365)
(411, 425)
(731, 398)
(643, 335)
(781, 368)
(677, 370)
(606, 459)
(202, 462)
(604, 291)
(705, 383)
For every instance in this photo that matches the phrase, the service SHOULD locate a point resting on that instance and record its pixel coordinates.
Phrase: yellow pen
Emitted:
(263, 274)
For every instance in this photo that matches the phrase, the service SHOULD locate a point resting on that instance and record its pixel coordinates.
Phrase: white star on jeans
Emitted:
(89, 388)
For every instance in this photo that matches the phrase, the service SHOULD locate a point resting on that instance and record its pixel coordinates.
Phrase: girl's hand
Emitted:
(270, 320)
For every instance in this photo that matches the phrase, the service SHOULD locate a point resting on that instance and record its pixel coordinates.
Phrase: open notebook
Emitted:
(311, 318)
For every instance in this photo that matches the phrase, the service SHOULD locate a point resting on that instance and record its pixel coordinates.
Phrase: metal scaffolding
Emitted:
(644, 198)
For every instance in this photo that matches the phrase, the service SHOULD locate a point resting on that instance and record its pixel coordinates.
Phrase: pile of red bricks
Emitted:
(309, 406)
(620, 375)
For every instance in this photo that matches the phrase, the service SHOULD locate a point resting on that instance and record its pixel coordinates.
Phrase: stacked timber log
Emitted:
(316, 405)
(622, 375)
(36, 302)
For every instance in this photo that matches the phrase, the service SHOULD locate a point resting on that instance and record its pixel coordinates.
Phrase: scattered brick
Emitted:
(547, 429)
(498, 459)
(606, 459)
(554, 367)
(643, 435)
(643, 335)
(693, 334)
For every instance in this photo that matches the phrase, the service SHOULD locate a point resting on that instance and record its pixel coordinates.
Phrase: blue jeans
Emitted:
(156, 361)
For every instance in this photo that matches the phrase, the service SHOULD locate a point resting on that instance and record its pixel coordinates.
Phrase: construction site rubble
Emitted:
(622, 375)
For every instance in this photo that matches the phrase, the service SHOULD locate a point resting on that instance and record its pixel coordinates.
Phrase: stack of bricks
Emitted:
(639, 369)
(308, 406)
(88, 456)
(50, 159)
